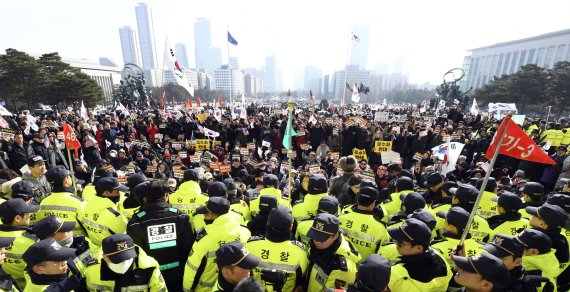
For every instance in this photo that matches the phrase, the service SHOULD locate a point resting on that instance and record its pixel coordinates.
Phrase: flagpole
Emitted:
(481, 190)
(290, 152)
(345, 69)
(71, 172)
(229, 69)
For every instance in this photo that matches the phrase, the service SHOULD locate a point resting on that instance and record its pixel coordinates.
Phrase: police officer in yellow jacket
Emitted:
(532, 196)
(270, 183)
(278, 252)
(100, 216)
(465, 196)
(189, 196)
(215, 189)
(124, 266)
(234, 264)
(62, 202)
(328, 204)
(48, 267)
(404, 185)
(7, 284)
(455, 222)
(419, 267)
(539, 258)
(200, 271)
(486, 207)
(89, 191)
(307, 207)
(509, 221)
(373, 275)
(360, 227)
(164, 233)
(15, 215)
(237, 204)
(332, 260)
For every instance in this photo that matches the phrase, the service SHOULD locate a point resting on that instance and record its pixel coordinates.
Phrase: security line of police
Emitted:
(148, 236)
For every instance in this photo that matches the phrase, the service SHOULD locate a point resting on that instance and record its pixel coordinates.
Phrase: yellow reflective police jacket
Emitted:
(389, 250)
(307, 207)
(566, 137)
(487, 208)
(188, 197)
(546, 265)
(242, 208)
(449, 242)
(198, 222)
(14, 264)
(101, 218)
(395, 203)
(287, 256)
(144, 275)
(12, 232)
(340, 276)
(365, 233)
(400, 280)
(509, 228)
(558, 136)
(254, 204)
(89, 193)
(66, 207)
(201, 271)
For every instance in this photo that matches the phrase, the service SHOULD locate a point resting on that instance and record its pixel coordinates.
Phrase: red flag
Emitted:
(188, 104)
(220, 101)
(71, 141)
(517, 144)
(198, 102)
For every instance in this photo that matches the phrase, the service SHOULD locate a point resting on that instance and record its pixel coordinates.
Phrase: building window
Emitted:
(514, 62)
(499, 66)
(530, 57)
(540, 57)
(521, 61)
(548, 58)
(560, 53)
(506, 64)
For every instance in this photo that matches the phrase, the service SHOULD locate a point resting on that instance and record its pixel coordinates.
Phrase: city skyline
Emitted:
(429, 39)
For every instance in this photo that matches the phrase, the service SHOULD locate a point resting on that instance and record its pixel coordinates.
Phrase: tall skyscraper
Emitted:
(207, 57)
(146, 35)
(270, 74)
(129, 45)
(181, 54)
(359, 50)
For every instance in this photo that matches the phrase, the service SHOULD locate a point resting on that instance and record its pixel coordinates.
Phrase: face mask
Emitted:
(67, 242)
(208, 221)
(115, 199)
(121, 267)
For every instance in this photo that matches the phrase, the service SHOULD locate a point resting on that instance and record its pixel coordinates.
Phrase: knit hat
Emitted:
(347, 164)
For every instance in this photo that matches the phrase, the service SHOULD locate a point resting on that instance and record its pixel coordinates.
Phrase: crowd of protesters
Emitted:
(410, 209)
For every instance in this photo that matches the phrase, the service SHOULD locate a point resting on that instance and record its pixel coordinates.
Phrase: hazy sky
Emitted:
(430, 36)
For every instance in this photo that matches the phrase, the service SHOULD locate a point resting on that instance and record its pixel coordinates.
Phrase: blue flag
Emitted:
(231, 39)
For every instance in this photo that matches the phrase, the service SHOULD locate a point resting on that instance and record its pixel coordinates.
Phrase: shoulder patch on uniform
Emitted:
(115, 212)
(299, 201)
(387, 243)
(30, 236)
(173, 210)
(79, 198)
(141, 214)
(299, 244)
(255, 238)
(201, 235)
(342, 265)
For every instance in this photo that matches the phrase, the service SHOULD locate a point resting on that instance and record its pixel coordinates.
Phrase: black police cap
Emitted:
(270, 180)
(509, 201)
(216, 205)
(374, 273)
(47, 250)
(425, 216)
(324, 227)
(504, 245)
(50, 225)
(235, 254)
(561, 200)
(533, 238)
(488, 266)
(109, 184)
(411, 230)
(367, 195)
(491, 184)
(412, 201)
(280, 219)
(404, 183)
(56, 174)
(10, 208)
(533, 189)
(434, 179)
(191, 174)
(118, 248)
(24, 187)
(135, 179)
(553, 215)
(328, 204)
(455, 216)
(217, 189)
(467, 194)
(36, 159)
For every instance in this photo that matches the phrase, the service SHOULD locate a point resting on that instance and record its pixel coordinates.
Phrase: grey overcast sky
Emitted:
(430, 36)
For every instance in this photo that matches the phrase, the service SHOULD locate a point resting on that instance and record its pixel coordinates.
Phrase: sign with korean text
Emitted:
(202, 144)
(382, 146)
(359, 154)
(226, 168)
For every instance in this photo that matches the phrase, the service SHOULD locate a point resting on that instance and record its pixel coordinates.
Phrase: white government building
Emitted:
(505, 58)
